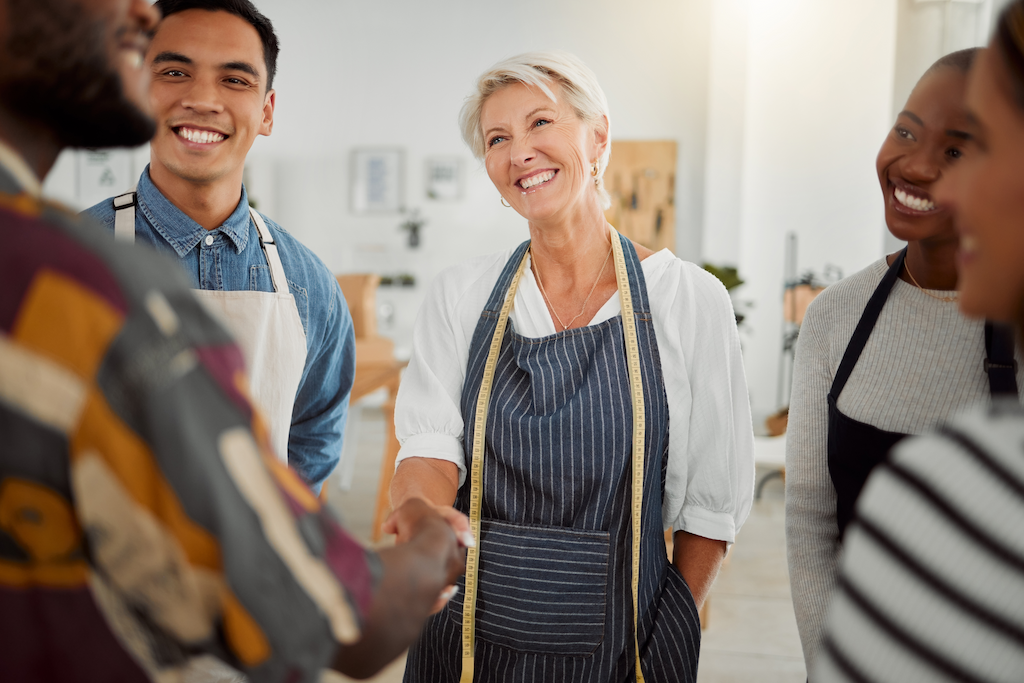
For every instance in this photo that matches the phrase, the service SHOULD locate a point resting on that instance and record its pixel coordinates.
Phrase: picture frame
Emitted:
(377, 176)
(443, 178)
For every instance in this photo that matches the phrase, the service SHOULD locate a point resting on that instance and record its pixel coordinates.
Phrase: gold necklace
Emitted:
(586, 301)
(947, 299)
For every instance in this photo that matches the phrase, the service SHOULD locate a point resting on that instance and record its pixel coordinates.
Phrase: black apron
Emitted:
(856, 448)
(554, 602)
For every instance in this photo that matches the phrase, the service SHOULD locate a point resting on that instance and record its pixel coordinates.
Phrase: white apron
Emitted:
(265, 325)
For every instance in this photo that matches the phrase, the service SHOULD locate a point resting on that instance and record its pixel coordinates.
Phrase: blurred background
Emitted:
(776, 108)
(745, 135)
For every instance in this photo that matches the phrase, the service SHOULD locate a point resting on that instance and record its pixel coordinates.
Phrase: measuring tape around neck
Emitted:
(477, 469)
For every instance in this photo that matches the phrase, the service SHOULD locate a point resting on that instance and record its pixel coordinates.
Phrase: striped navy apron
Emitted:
(553, 601)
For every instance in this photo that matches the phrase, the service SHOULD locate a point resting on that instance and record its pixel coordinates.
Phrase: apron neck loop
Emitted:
(270, 252)
(866, 324)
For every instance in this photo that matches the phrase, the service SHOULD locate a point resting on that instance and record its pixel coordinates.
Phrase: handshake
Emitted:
(418, 578)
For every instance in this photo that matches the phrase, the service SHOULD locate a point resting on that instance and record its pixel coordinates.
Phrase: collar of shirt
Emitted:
(20, 171)
(180, 231)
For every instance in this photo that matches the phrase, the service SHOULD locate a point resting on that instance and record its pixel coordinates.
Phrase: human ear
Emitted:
(267, 125)
(600, 136)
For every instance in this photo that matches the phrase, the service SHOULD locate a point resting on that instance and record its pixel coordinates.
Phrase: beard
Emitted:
(59, 76)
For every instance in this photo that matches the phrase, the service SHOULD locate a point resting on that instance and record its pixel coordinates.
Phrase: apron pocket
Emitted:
(540, 589)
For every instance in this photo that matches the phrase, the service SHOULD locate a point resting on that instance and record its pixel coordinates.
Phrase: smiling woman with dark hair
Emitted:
(885, 353)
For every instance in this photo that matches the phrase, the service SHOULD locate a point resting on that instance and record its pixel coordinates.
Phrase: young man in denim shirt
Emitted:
(212, 63)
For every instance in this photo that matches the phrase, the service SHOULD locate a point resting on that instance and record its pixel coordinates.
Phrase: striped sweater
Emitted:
(932, 579)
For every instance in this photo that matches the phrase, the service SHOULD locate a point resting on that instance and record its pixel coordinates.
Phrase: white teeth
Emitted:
(200, 136)
(527, 183)
(912, 202)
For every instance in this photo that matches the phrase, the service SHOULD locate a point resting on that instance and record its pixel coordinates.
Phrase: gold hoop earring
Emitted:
(594, 168)
(505, 204)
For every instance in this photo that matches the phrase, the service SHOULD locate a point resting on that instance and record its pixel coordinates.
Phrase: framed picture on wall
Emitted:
(377, 175)
(444, 178)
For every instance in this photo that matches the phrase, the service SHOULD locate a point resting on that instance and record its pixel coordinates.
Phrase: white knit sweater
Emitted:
(922, 365)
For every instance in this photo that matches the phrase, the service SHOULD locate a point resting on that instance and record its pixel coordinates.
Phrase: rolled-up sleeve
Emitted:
(428, 411)
(709, 485)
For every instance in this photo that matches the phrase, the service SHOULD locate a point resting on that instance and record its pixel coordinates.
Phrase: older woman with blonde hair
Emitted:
(539, 400)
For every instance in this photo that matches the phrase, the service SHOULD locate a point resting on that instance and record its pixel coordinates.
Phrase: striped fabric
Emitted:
(922, 365)
(143, 521)
(553, 595)
(932, 579)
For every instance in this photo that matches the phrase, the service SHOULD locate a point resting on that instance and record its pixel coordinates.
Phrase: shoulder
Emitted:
(974, 464)
(138, 270)
(684, 287)
(122, 277)
(468, 282)
(850, 295)
(302, 266)
(102, 213)
(992, 435)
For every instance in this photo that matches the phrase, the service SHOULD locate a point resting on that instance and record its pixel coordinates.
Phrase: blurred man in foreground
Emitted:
(144, 521)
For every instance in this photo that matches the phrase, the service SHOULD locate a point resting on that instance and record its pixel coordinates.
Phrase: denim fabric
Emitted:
(235, 262)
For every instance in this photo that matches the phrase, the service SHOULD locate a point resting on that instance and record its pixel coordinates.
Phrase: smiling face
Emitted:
(986, 196)
(208, 94)
(538, 153)
(926, 142)
(74, 67)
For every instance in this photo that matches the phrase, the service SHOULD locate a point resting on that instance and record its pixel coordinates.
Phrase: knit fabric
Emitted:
(922, 365)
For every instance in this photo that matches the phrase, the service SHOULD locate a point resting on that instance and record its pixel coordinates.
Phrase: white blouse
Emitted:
(710, 480)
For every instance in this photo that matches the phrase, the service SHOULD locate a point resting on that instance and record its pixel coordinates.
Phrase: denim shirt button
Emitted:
(209, 240)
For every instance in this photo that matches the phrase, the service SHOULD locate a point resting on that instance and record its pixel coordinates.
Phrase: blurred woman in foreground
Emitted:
(932, 580)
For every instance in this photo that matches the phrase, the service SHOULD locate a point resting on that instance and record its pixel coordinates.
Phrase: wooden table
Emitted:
(369, 378)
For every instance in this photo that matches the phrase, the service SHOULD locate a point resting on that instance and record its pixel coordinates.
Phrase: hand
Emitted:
(403, 521)
(415, 574)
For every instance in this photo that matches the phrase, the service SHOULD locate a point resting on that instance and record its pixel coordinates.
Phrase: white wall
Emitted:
(391, 73)
(818, 104)
(726, 121)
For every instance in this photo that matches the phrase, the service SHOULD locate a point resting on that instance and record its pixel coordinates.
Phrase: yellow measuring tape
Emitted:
(477, 470)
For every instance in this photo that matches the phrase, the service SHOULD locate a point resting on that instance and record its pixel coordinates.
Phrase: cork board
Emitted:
(641, 179)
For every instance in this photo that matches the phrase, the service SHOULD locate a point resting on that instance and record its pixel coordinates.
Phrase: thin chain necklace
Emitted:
(947, 299)
(536, 271)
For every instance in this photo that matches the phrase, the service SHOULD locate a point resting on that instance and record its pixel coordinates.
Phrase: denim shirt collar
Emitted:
(180, 231)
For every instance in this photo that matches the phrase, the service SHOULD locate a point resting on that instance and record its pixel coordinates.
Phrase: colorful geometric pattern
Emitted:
(143, 520)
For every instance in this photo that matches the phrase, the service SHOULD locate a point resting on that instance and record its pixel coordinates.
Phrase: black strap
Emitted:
(866, 324)
(1000, 363)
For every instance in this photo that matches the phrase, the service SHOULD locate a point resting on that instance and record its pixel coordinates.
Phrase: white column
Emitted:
(723, 168)
(818, 104)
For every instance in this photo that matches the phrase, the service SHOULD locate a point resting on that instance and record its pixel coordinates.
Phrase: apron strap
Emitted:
(124, 217)
(270, 252)
(866, 324)
(1000, 363)
(637, 283)
(505, 296)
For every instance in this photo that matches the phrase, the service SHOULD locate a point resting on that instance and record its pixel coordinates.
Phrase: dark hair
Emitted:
(961, 59)
(240, 8)
(1009, 44)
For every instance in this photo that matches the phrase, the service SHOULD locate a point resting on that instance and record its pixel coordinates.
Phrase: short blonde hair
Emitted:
(539, 69)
